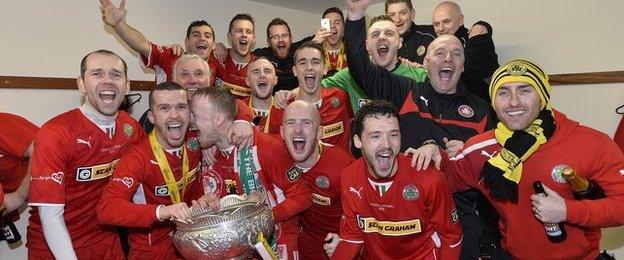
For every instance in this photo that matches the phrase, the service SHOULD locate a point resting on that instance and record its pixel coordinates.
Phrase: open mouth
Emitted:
(310, 80)
(243, 43)
(383, 50)
(108, 95)
(298, 144)
(384, 159)
(445, 73)
(175, 130)
(262, 84)
(201, 47)
(516, 112)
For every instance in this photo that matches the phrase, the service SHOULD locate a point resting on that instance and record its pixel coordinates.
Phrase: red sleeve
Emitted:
(444, 217)
(460, 172)
(608, 173)
(115, 207)
(351, 241)
(16, 134)
(158, 56)
(48, 163)
(244, 112)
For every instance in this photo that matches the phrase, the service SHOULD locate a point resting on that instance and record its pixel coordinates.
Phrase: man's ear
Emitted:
(319, 132)
(357, 142)
(219, 119)
(400, 42)
(150, 116)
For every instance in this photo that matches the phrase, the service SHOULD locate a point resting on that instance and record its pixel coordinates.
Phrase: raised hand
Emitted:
(356, 8)
(111, 14)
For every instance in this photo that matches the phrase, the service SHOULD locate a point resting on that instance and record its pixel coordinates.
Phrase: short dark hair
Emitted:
(245, 17)
(167, 85)
(407, 2)
(375, 108)
(379, 18)
(220, 98)
(313, 45)
(275, 22)
(198, 23)
(333, 9)
(83, 63)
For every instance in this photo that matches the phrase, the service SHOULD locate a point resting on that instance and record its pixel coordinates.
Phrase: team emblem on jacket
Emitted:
(421, 50)
(322, 182)
(557, 173)
(192, 144)
(212, 182)
(465, 111)
(335, 102)
(410, 193)
(128, 130)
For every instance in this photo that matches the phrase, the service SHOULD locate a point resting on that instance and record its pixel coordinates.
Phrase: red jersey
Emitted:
(70, 166)
(229, 74)
(161, 59)
(16, 135)
(414, 219)
(590, 153)
(325, 214)
(336, 116)
(136, 189)
(270, 123)
(336, 61)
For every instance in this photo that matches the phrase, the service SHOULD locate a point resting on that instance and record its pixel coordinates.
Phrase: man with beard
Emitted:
(534, 142)
(156, 178)
(261, 78)
(332, 102)
(232, 72)
(74, 155)
(243, 171)
(481, 59)
(415, 38)
(391, 211)
(199, 40)
(320, 165)
(439, 110)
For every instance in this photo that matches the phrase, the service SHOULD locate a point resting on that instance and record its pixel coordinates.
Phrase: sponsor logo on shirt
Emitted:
(163, 190)
(236, 89)
(321, 200)
(351, 189)
(85, 142)
(96, 172)
(293, 173)
(488, 155)
(55, 177)
(557, 173)
(127, 181)
(332, 130)
(389, 228)
(465, 111)
(454, 216)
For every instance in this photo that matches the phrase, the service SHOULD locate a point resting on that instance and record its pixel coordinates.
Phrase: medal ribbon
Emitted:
(172, 185)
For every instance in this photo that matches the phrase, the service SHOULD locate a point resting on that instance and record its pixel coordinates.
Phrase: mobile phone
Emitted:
(325, 24)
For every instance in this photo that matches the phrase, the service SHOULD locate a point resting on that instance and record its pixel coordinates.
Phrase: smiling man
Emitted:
(157, 179)
(261, 78)
(320, 165)
(439, 110)
(416, 38)
(391, 211)
(74, 155)
(333, 103)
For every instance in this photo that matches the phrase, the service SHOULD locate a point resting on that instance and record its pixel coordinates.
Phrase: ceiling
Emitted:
(313, 6)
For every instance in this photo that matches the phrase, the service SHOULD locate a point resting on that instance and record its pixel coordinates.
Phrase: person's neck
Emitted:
(310, 98)
(223, 143)
(261, 104)
(95, 116)
(333, 47)
(237, 57)
(392, 64)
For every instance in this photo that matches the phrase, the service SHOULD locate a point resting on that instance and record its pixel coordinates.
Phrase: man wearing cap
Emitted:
(534, 142)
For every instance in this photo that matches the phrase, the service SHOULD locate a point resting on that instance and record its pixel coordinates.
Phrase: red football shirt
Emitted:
(16, 135)
(231, 75)
(70, 166)
(161, 59)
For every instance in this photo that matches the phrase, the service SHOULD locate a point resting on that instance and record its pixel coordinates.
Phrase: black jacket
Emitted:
(415, 43)
(424, 113)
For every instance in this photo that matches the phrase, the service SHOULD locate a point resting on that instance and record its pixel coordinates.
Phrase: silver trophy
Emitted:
(229, 233)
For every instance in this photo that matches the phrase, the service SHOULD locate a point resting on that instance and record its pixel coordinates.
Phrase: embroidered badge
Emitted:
(322, 182)
(128, 130)
(465, 111)
(516, 70)
(335, 102)
(293, 173)
(410, 193)
(192, 144)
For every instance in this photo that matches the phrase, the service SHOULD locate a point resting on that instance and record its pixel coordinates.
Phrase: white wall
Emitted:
(49, 38)
(562, 36)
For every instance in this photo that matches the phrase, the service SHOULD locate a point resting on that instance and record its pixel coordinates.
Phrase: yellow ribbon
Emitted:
(167, 173)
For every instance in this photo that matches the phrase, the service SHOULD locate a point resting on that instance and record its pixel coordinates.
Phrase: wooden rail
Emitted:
(21, 82)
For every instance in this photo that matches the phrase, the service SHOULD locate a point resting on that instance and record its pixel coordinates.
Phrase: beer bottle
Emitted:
(582, 187)
(554, 231)
(9, 231)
